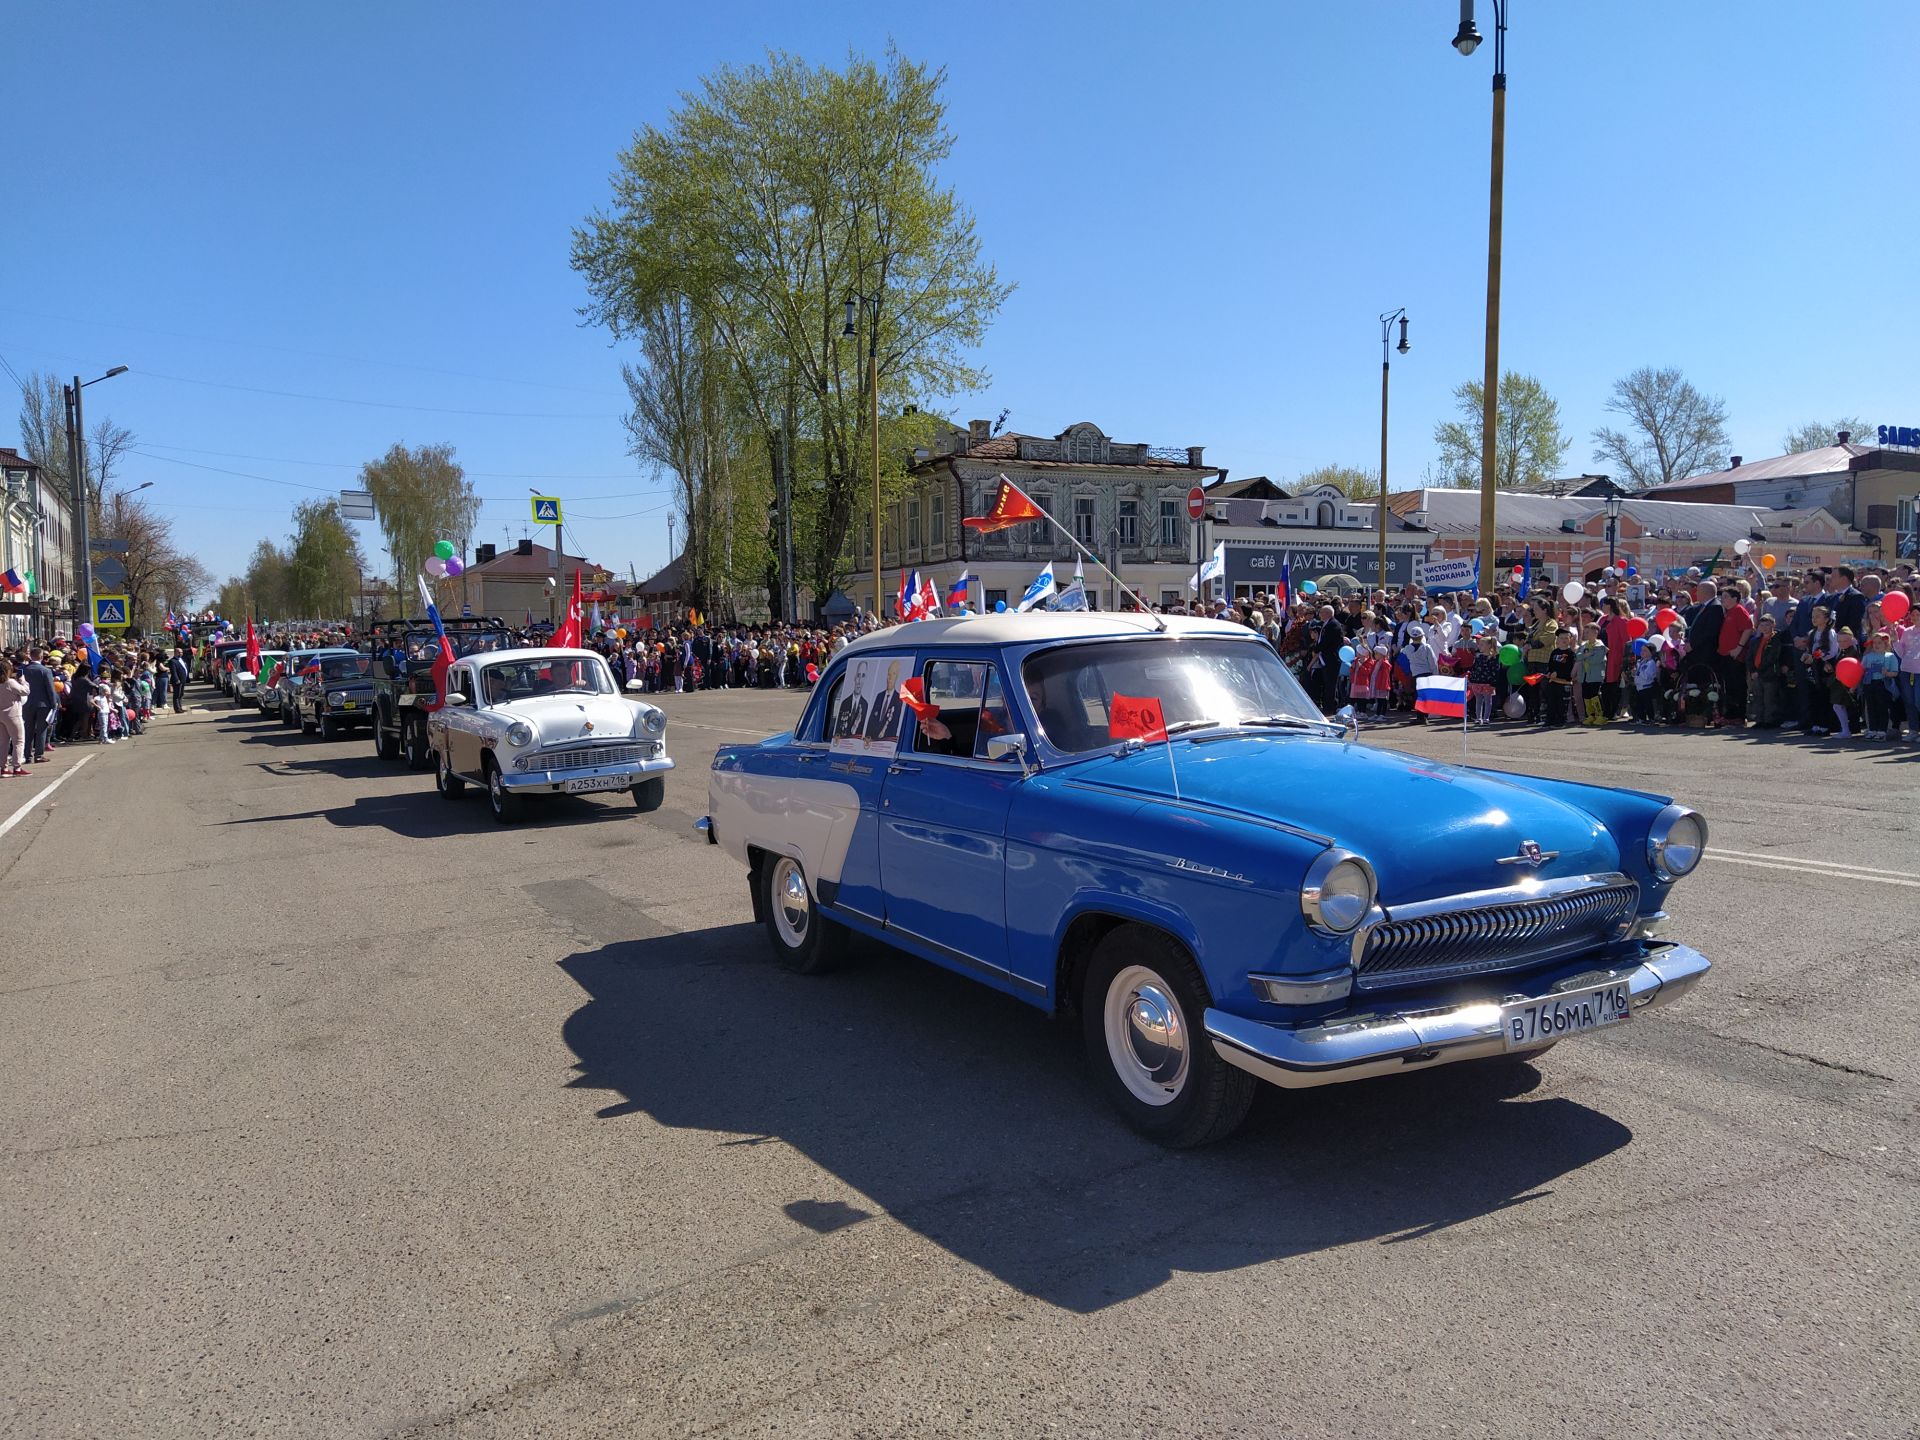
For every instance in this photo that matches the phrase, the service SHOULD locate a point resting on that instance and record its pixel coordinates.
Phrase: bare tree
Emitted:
(1673, 430)
(159, 574)
(1817, 436)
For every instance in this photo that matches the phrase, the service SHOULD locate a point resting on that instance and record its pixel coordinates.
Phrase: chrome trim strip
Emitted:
(1359, 1047)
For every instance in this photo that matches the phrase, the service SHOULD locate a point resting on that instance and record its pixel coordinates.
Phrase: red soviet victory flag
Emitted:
(567, 637)
(1134, 717)
(1010, 507)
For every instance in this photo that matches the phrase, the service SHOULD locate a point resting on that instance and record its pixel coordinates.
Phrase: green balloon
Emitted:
(1509, 654)
(443, 548)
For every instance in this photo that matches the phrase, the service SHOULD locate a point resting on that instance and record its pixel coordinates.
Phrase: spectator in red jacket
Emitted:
(1736, 600)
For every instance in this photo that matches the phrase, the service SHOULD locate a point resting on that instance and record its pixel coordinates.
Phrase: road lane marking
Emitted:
(723, 729)
(1822, 864)
(21, 814)
(1815, 870)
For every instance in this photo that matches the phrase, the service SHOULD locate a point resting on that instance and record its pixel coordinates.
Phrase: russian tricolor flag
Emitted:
(1441, 695)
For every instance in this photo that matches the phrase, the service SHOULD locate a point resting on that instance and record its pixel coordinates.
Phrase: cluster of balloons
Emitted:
(445, 564)
(1308, 587)
(85, 631)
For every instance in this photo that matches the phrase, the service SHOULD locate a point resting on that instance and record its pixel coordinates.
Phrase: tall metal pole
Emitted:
(1490, 380)
(77, 462)
(873, 387)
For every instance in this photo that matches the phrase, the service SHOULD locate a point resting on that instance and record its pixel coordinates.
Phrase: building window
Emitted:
(1169, 599)
(1129, 522)
(996, 597)
(913, 526)
(1169, 522)
(1040, 532)
(937, 520)
(1083, 521)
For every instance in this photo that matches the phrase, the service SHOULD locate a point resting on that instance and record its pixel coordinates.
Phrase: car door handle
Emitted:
(898, 769)
(808, 759)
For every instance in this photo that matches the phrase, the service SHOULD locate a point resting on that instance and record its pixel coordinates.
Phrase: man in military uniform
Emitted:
(851, 721)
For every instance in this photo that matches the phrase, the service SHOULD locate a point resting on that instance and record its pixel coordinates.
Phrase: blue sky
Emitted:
(1204, 208)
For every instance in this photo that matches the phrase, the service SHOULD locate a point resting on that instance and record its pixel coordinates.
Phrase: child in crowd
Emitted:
(1483, 680)
(1592, 675)
(1646, 677)
(1879, 683)
(1559, 682)
(1845, 702)
(1420, 660)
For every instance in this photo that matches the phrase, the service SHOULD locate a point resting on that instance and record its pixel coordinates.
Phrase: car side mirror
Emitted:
(1001, 748)
(454, 697)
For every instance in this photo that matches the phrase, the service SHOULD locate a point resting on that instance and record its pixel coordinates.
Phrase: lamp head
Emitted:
(1467, 38)
(1402, 347)
(848, 332)
(116, 370)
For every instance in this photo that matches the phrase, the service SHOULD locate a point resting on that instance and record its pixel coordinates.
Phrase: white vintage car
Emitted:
(533, 722)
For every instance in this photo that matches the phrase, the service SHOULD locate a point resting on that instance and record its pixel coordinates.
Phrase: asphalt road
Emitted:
(333, 1109)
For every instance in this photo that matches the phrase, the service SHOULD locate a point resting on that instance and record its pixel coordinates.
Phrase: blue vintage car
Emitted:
(1259, 897)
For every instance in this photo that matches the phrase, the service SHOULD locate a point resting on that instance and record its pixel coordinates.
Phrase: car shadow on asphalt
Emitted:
(424, 815)
(971, 1119)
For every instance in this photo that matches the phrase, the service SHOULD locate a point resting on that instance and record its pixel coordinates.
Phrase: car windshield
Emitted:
(1198, 682)
(346, 667)
(561, 675)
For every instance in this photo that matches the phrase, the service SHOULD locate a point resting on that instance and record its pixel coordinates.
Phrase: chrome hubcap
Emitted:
(792, 906)
(1146, 1036)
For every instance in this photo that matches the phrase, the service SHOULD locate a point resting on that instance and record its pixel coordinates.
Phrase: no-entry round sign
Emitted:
(1196, 503)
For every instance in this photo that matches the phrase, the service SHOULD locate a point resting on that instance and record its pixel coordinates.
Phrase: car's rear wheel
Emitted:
(309, 725)
(446, 782)
(1142, 1017)
(804, 941)
(649, 794)
(504, 804)
(328, 730)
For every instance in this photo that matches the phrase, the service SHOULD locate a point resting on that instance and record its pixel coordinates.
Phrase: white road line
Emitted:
(722, 729)
(1803, 867)
(1822, 864)
(21, 814)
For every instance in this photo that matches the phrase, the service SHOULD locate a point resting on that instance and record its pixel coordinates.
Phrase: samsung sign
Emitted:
(1907, 435)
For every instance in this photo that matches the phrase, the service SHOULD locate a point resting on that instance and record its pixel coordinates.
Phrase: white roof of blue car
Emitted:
(1016, 629)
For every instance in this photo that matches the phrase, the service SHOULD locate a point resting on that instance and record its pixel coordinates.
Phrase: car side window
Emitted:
(995, 718)
(819, 728)
(955, 687)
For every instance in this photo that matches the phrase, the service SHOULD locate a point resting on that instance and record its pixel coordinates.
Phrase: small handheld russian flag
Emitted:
(1441, 695)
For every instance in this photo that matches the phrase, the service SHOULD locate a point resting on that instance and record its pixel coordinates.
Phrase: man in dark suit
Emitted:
(42, 701)
(851, 720)
(1849, 605)
(177, 671)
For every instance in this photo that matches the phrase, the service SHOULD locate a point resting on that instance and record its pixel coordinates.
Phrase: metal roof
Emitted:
(1828, 460)
(1457, 512)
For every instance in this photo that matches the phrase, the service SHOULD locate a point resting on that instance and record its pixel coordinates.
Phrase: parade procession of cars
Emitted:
(515, 721)
(1140, 823)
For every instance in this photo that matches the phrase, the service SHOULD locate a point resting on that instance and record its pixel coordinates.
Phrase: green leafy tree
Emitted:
(1352, 481)
(1528, 443)
(421, 496)
(324, 563)
(771, 196)
(1672, 430)
(1817, 436)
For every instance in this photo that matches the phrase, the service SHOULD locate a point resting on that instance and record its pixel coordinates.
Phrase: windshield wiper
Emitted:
(1287, 720)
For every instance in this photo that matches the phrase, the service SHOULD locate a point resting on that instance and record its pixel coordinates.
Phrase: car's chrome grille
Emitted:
(1476, 938)
(581, 757)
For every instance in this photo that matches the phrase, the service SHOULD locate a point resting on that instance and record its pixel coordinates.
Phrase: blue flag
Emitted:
(1526, 570)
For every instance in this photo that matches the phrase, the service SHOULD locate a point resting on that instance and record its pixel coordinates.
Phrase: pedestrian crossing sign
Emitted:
(110, 612)
(546, 509)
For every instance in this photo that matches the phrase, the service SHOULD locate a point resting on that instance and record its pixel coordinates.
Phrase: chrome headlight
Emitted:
(1676, 842)
(1337, 893)
(338, 697)
(519, 733)
(652, 721)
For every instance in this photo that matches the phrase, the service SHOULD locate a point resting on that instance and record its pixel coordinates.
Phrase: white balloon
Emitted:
(1742, 545)
(436, 567)
(1572, 592)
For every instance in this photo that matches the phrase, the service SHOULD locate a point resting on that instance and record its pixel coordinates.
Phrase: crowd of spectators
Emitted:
(1826, 652)
(56, 693)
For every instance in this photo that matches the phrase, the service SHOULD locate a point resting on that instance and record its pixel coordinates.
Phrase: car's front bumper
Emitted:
(536, 782)
(1386, 1042)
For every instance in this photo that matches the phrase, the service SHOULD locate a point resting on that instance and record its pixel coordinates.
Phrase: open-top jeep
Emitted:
(403, 653)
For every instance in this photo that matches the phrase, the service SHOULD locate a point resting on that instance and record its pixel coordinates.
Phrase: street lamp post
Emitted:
(1466, 40)
(76, 461)
(1613, 521)
(870, 308)
(1386, 364)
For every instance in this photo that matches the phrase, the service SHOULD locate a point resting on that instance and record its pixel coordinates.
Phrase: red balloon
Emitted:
(1664, 617)
(1847, 671)
(1895, 605)
(1637, 627)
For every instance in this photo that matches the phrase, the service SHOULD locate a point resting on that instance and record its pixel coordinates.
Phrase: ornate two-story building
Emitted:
(1127, 503)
